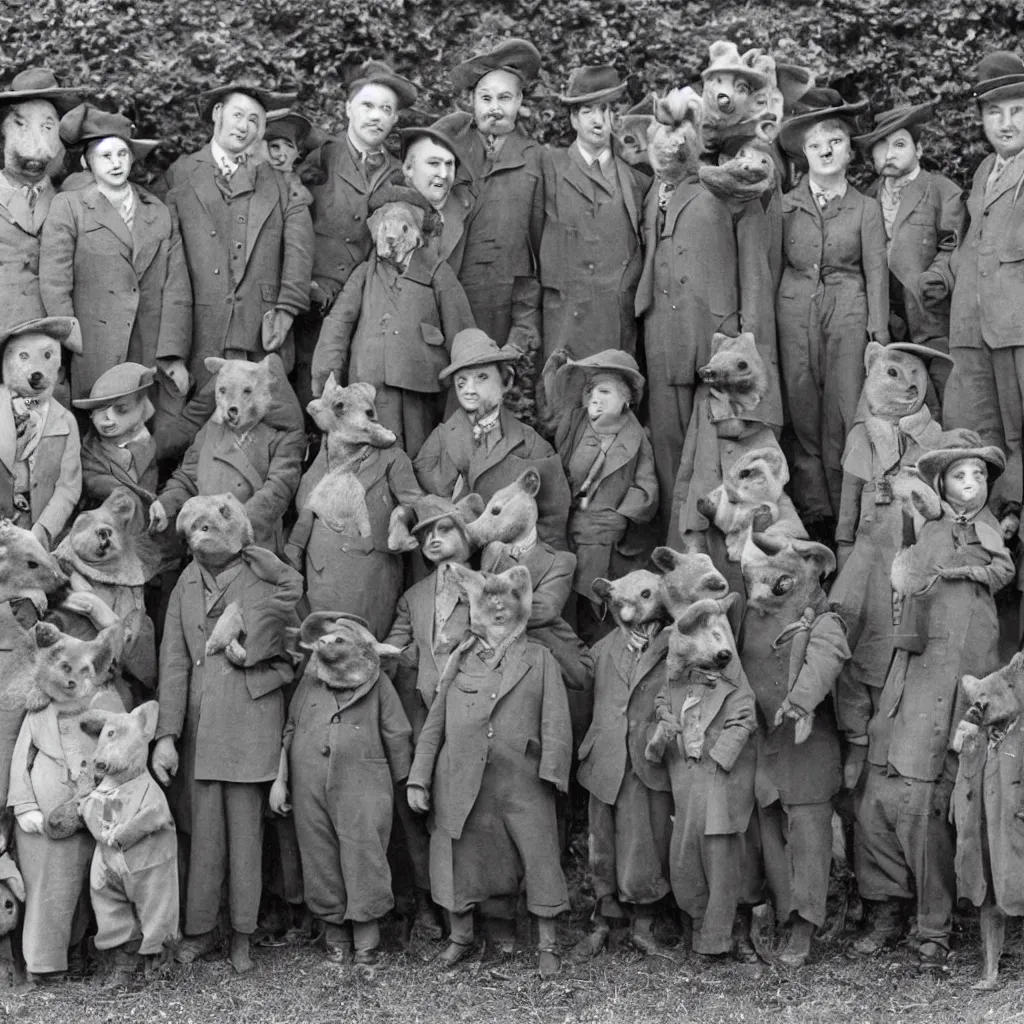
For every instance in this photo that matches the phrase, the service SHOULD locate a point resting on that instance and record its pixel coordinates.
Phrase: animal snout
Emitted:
(70, 685)
(232, 412)
(102, 767)
(627, 613)
(722, 658)
(708, 374)
(36, 379)
(724, 102)
(705, 506)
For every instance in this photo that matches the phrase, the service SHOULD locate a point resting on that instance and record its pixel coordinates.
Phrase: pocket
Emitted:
(431, 335)
(269, 292)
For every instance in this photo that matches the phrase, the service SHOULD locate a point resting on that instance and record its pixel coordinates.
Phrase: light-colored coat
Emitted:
(19, 256)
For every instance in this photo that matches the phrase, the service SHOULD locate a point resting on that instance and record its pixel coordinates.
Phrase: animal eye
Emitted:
(32, 565)
(496, 511)
(741, 365)
(892, 372)
(743, 474)
(782, 585)
(645, 593)
(222, 391)
(246, 391)
(65, 667)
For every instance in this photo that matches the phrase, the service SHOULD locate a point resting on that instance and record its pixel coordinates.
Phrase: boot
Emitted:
(366, 939)
(549, 963)
(239, 954)
(426, 923)
(195, 947)
(640, 934)
(886, 927)
(337, 941)
(595, 940)
(743, 946)
(798, 943)
(460, 938)
(122, 968)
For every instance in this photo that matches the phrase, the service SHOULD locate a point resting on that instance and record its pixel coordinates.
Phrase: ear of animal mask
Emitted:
(148, 715)
(388, 650)
(93, 721)
(214, 364)
(871, 353)
(46, 634)
(698, 613)
(820, 555)
(667, 559)
(602, 588)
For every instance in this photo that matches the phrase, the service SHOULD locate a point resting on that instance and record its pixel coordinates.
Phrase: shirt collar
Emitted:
(897, 185)
(359, 151)
(603, 158)
(223, 160)
(832, 193)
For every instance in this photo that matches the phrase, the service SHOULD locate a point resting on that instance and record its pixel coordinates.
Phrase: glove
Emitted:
(157, 518)
(31, 821)
(964, 731)
(419, 799)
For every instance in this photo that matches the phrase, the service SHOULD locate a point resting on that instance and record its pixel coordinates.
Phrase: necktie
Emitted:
(490, 145)
(31, 193)
(373, 162)
(824, 198)
(665, 191)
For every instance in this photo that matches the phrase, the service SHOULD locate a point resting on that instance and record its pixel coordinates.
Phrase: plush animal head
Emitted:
(784, 574)
(499, 603)
(510, 515)
(31, 364)
(999, 696)
(12, 894)
(32, 144)
(242, 392)
(215, 527)
(702, 637)
(736, 378)
(68, 671)
(122, 747)
(675, 140)
(630, 133)
(27, 569)
(896, 382)
(345, 653)
(688, 577)
(634, 599)
(745, 176)
(738, 90)
(101, 544)
(399, 229)
(349, 415)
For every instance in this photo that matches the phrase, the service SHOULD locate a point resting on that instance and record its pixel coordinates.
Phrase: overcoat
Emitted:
(101, 475)
(20, 241)
(232, 283)
(589, 276)
(93, 267)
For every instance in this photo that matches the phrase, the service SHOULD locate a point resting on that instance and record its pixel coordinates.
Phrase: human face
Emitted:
(479, 389)
(430, 169)
(593, 124)
(445, 542)
(1003, 121)
(496, 102)
(121, 418)
(110, 161)
(965, 484)
(607, 397)
(238, 123)
(372, 114)
(827, 148)
(282, 154)
(896, 155)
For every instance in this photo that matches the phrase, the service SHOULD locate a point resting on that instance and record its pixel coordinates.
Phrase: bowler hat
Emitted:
(932, 465)
(410, 135)
(593, 84)
(64, 329)
(86, 123)
(517, 56)
(1000, 76)
(890, 121)
(319, 624)
(392, 193)
(376, 72)
(121, 381)
(473, 347)
(287, 124)
(921, 351)
(815, 106)
(433, 507)
(267, 99)
(725, 57)
(575, 376)
(40, 84)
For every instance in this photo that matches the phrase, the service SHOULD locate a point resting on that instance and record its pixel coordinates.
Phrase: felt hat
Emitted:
(793, 82)
(921, 351)
(574, 377)
(433, 507)
(86, 123)
(932, 465)
(64, 329)
(1000, 76)
(118, 382)
(318, 624)
(593, 84)
(725, 57)
(267, 99)
(287, 124)
(410, 135)
(376, 72)
(473, 347)
(889, 121)
(40, 84)
(517, 56)
(392, 193)
(815, 106)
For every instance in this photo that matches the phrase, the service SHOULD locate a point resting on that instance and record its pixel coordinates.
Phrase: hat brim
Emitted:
(468, 73)
(921, 351)
(410, 135)
(312, 627)
(401, 87)
(100, 403)
(791, 134)
(267, 99)
(64, 329)
(932, 465)
(508, 354)
(300, 124)
(601, 96)
(573, 377)
(62, 99)
(1005, 88)
(755, 78)
(141, 148)
(920, 114)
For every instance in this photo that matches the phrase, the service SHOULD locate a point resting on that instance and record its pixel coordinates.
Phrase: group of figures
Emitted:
(307, 599)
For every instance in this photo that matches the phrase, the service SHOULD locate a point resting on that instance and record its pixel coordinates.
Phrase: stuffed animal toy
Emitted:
(738, 90)
(40, 451)
(239, 453)
(705, 717)
(793, 649)
(688, 576)
(630, 133)
(745, 172)
(492, 767)
(630, 804)
(231, 740)
(133, 884)
(343, 802)
(349, 536)
(675, 137)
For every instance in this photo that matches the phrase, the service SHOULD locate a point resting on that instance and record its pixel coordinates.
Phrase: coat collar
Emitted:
(105, 214)
(224, 447)
(623, 449)
(423, 266)
(684, 194)
(514, 666)
(512, 436)
(346, 698)
(56, 424)
(633, 670)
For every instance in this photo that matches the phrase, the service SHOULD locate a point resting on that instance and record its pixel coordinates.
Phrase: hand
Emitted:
(1010, 524)
(279, 797)
(31, 821)
(400, 539)
(177, 373)
(235, 653)
(789, 713)
(660, 739)
(319, 300)
(558, 358)
(157, 517)
(165, 760)
(933, 288)
(964, 731)
(276, 325)
(40, 533)
(853, 767)
(109, 832)
(92, 606)
(419, 799)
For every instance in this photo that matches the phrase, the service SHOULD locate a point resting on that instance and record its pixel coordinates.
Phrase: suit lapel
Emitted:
(684, 194)
(514, 666)
(652, 657)
(577, 177)
(193, 612)
(225, 449)
(261, 205)
(511, 155)
(204, 184)
(482, 460)
(623, 449)
(346, 168)
(912, 196)
(713, 699)
(103, 213)
(8, 437)
(630, 196)
(144, 229)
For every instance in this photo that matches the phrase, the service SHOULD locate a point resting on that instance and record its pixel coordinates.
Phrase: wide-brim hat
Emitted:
(593, 84)
(391, 193)
(85, 123)
(889, 121)
(64, 329)
(473, 347)
(793, 82)
(266, 98)
(932, 465)
(376, 72)
(432, 508)
(40, 84)
(121, 381)
(921, 351)
(287, 124)
(1000, 76)
(409, 135)
(725, 57)
(517, 56)
(574, 377)
(316, 624)
(815, 106)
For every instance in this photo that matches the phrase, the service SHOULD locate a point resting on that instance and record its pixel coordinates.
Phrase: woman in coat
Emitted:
(833, 298)
(104, 250)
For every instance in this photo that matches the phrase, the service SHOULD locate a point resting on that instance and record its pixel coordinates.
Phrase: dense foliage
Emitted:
(148, 58)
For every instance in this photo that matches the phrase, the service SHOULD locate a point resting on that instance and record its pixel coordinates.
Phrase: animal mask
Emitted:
(345, 653)
(737, 381)
(69, 671)
(998, 697)
(634, 600)
(242, 392)
(896, 383)
(31, 365)
(101, 544)
(783, 574)
(27, 569)
(122, 748)
(511, 514)
(215, 527)
(688, 577)
(32, 146)
(702, 638)
(398, 230)
(675, 139)
(499, 603)
(349, 416)
(746, 177)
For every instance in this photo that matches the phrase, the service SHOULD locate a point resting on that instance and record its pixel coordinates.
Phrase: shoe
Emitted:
(549, 963)
(886, 928)
(455, 952)
(337, 942)
(798, 944)
(366, 957)
(239, 955)
(195, 947)
(931, 956)
(425, 923)
(591, 945)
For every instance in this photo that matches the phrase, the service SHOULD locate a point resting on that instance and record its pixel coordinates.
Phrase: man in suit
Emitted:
(243, 240)
(924, 218)
(590, 252)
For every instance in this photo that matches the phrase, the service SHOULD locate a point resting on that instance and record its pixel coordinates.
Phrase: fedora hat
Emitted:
(815, 106)
(473, 347)
(889, 121)
(376, 72)
(932, 465)
(921, 351)
(1000, 76)
(266, 98)
(64, 329)
(574, 377)
(393, 193)
(40, 84)
(86, 123)
(725, 57)
(593, 84)
(287, 124)
(409, 135)
(121, 381)
(519, 57)
(433, 507)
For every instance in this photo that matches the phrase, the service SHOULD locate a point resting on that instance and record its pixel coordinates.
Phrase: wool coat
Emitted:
(101, 475)
(591, 252)
(234, 280)
(54, 468)
(20, 241)
(347, 749)
(453, 465)
(502, 231)
(92, 266)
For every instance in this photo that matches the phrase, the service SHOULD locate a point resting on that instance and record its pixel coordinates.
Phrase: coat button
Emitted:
(490, 733)
(494, 696)
(216, 270)
(213, 234)
(325, 750)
